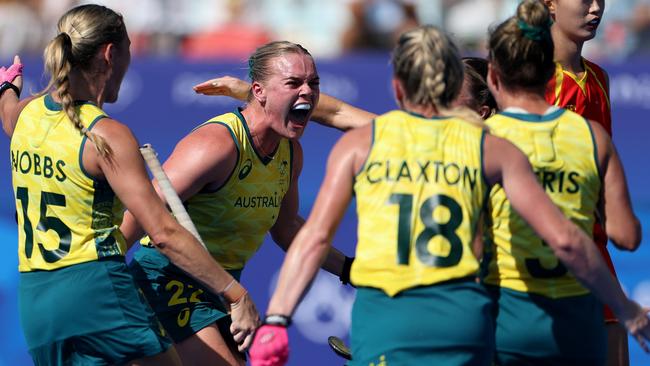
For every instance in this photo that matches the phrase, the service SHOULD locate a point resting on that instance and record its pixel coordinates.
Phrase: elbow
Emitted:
(161, 238)
(568, 244)
(626, 237)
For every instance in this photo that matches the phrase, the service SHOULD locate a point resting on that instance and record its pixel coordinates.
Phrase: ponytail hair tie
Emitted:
(534, 32)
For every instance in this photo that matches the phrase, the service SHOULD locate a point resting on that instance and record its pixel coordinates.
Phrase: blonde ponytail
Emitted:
(82, 30)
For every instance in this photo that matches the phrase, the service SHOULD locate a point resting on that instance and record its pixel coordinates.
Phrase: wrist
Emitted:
(277, 319)
(7, 85)
(233, 292)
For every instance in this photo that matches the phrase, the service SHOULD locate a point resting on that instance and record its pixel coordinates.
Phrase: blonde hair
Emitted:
(428, 64)
(521, 47)
(82, 31)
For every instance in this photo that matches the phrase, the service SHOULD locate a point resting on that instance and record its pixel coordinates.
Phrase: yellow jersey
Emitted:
(419, 197)
(65, 216)
(234, 219)
(563, 154)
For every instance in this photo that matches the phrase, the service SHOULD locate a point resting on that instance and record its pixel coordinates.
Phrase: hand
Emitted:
(637, 323)
(13, 74)
(270, 347)
(226, 85)
(245, 319)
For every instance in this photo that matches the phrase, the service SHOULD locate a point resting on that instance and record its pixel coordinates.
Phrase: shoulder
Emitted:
(601, 74)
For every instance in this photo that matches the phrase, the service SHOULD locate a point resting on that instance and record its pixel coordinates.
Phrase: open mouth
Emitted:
(594, 23)
(300, 112)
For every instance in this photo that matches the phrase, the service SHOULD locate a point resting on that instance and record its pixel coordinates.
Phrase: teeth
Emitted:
(302, 107)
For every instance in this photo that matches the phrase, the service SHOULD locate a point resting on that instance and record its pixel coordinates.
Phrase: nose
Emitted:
(597, 7)
(306, 90)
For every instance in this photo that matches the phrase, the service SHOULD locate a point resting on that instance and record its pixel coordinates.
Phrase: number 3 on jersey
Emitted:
(45, 224)
(432, 228)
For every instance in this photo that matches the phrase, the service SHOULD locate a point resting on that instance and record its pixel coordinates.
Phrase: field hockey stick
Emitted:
(339, 347)
(174, 202)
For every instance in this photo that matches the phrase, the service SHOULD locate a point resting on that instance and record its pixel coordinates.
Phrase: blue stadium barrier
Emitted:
(157, 102)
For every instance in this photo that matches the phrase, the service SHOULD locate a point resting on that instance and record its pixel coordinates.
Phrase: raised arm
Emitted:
(622, 226)
(289, 222)
(330, 111)
(311, 244)
(11, 84)
(126, 174)
(506, 165)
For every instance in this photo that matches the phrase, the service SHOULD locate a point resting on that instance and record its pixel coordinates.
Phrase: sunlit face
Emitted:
(120, 63)
(291, 92)
(578, 20)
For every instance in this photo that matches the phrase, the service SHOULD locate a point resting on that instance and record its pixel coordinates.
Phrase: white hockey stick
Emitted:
(174, 202)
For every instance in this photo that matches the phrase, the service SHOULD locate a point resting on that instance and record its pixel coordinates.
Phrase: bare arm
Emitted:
(126, 174)
(333, 112)
(10, 105)
(204, 158)
(329, 112)
(505, 164)
(622, 226)
(289, 222)
(312, 243)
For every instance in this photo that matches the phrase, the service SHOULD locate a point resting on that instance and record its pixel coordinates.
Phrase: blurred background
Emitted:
(179, 43)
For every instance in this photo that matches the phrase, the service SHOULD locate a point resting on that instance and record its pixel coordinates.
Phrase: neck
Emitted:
(86, 88)
(567, 52)
(533, 102)
(427, 111)
(264, 138)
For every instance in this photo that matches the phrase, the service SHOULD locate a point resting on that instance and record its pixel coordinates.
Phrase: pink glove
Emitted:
(270, 346)
(11, 73)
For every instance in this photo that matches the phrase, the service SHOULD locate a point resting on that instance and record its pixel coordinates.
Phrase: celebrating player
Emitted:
(74, 169)
(238, 176)
(420, 176)
(547, 312)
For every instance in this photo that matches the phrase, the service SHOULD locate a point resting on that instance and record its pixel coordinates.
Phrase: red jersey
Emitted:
(589, 97)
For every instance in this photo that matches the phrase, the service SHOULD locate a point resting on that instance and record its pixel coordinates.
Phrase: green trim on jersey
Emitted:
(593, 141)
(264, 159)
(83, 144)
(560, 148)
(531, 117)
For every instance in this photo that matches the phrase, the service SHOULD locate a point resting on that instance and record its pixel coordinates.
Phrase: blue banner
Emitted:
(158, 104)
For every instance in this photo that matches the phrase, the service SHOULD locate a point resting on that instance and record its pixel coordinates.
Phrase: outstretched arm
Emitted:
(506, 165)
(11, 81)
(289, 222)
(330, 111)
(127, 176)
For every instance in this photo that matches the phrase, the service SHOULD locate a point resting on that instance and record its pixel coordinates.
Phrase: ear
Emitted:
(550, 4)
(259, 92)
(493, 79)
(484, 111)
(108, 53)
(398, 91)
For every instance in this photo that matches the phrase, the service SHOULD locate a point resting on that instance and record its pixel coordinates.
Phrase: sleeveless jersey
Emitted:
(234, 220)
(587, 96)
(64, 215)
(562, 152)
(419, 197)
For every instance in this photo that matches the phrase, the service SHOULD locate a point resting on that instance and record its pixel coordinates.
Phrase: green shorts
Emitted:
(536, 330)
(442, 324)
(87, 314)
(183, 305)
